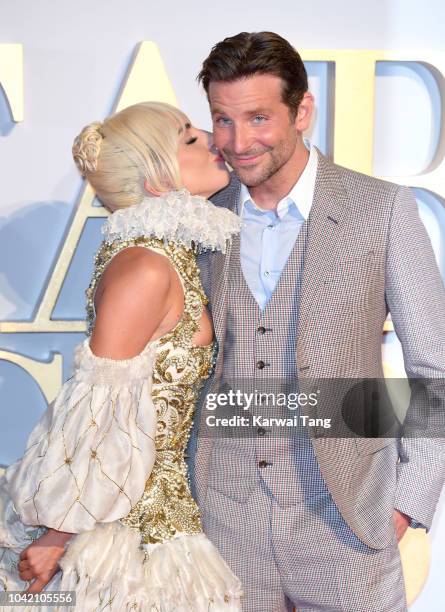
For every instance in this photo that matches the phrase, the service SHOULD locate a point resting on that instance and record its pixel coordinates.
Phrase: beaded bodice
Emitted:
(166, 508)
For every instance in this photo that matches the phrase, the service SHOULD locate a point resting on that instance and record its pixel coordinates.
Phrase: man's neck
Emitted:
(271, 192)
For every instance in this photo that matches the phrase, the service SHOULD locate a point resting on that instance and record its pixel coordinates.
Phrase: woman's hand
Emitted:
(40, 560)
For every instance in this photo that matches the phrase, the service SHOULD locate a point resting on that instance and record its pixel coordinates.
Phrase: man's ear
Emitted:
(151, 190)
(304, 113)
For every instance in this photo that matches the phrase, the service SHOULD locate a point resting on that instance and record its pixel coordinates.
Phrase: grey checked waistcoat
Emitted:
(261, 358)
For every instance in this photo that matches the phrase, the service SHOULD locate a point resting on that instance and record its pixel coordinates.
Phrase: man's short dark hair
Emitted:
(250, 53)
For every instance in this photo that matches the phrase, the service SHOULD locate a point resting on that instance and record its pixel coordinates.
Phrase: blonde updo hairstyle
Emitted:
(136, 144)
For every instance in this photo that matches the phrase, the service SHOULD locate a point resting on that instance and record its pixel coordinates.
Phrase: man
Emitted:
(324, 253)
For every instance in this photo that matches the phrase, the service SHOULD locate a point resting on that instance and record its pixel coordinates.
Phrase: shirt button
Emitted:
(260, 365)
(262, 464)
(261, 431)
(261, 330)
(271, 226)
(267, 273)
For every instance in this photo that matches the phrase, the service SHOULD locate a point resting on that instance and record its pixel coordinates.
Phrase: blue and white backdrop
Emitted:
(377, 70)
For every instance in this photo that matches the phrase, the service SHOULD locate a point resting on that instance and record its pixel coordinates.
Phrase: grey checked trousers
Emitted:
(304, 556)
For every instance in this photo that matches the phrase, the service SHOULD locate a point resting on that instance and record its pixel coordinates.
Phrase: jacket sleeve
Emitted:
(416, 299)
(88, 458)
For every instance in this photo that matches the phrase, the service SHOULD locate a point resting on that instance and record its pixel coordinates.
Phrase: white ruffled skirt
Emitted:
(109, 572)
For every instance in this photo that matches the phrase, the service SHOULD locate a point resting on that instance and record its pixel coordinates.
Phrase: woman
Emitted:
(102, 491)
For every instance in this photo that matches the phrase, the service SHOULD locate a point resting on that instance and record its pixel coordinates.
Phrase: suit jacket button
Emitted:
(260, 365)
(261, 330)
(262, 464)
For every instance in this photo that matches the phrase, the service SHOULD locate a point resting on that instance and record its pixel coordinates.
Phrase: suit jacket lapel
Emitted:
(220, 266)
(326, 225)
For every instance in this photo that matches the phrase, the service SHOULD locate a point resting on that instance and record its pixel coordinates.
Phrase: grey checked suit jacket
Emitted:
(367, 253)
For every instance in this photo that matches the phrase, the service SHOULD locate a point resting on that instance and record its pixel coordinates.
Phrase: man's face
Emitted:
(253, 128)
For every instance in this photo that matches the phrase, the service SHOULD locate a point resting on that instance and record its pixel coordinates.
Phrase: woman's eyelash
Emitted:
(192, 140)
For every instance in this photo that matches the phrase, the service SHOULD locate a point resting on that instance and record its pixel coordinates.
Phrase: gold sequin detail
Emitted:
(166, 508)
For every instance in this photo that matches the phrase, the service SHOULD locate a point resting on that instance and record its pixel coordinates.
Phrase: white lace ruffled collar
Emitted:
(178, 217)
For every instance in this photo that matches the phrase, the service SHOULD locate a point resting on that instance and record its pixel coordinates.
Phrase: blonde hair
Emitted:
(139, 143)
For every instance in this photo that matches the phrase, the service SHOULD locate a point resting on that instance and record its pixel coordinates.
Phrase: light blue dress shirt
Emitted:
(267, 237)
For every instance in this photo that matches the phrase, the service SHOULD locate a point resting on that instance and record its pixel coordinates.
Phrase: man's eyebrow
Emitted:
(248, 113)
(260, 110)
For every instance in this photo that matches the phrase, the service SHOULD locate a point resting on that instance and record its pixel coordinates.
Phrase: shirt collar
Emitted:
(301, 195)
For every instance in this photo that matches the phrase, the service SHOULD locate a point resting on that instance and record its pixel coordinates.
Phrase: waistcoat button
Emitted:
(261, 431)
(260, 365)
(261, 330)
(263, 464)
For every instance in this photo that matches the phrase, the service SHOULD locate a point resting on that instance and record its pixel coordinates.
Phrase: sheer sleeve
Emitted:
(89, 457)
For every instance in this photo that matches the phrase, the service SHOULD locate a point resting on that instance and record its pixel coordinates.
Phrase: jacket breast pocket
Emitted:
(354, 282)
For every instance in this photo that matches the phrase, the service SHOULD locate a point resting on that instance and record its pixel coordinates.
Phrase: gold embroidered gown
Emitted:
(166, 508)
(106, 462)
